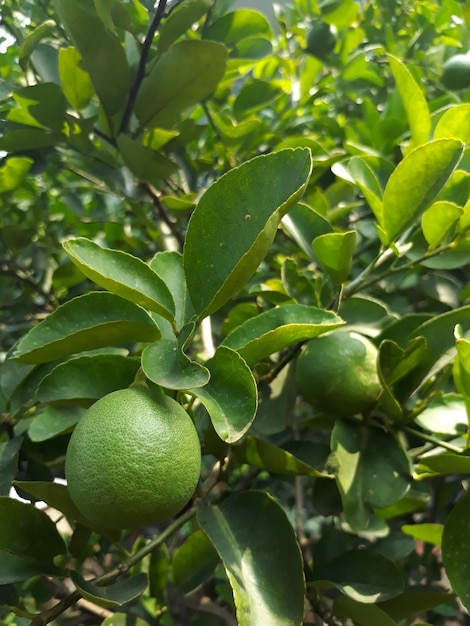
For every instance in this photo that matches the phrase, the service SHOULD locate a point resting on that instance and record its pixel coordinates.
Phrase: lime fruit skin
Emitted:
(337, 373)
(133, 460)
(321, 40)
(456, 72)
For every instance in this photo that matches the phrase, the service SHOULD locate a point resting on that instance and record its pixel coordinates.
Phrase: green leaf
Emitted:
(438, 220)
(361, 613)
(122, 274)
(9, 452)
(54, 421)
(371, 468)
(415, 183)
(179, 20)
(146, 164)
(364, 576)
(276, 402)
(265, 455)
(42, 105)
(181, 77)
(87, 322)
(76, 82)
(278, 328)
(414, 101)
(334, 253)
(446, 415)
(169, 266)
(255, 95)
(455, 122)
(234, 27)
(431, 533)
(103, 55)
(193, 562)
(114, 595)
(29, 541)
(13, 172)
(31, 41)
(230, 397)
(58, 497)
(303, 224)
(224, 247)
(444, 464)
(165, 363)
(86, 378)
(456, 549)
(123, 619)
(416, 602)
(263, 561)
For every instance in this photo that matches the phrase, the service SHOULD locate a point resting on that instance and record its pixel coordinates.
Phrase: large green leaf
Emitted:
(180, 19)
(87, 322)
(262, 560)
(415, 602)
(362, 613)
(415, 183)
(456, 549)
(146, 164)
(414, 101)
(181, 77)
(334, 253)
(86, 378)
(29, 541)
(42, 105)
(372, 470)
(455, 122)
(277, 328)
(114, 595)
(76, 83)
(193, 562)
(122, 274)
(230, 397)
(9, 452)
(235, 222)
(438, 220)
(102, 53)
(54, 421)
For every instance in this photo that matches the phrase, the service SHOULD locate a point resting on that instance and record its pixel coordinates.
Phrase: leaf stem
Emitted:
(140, 74)
(434, 440)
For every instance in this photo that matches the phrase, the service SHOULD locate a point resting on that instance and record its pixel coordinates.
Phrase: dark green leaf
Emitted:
(224, 248)
(91, 321)
(42, 105)
(230, 396)
(114, 595)
(456, 549)
(416, 602)
(29, 541)
(54, 421)
(146, 164)
(179, 20)
(304, 224)
(361, 613)
(193, 562)
(263, 561)
(123, 274)
(9, 451)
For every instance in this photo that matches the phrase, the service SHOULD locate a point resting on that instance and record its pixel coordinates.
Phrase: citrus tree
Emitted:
(235, 313)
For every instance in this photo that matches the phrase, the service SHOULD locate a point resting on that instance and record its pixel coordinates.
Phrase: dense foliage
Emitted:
(189, 194)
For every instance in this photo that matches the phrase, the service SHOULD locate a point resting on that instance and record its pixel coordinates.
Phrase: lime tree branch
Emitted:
(140, 75)
(107, 579)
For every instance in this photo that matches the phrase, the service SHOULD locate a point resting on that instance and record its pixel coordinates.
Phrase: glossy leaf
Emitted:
(169, 266)
(278, 328)
(372, 470)
(114, 595)
(456, 549)
(122, 274)
(102, 53)
(230, 397)
(76, 83)
(9, 452)
(446, 415)
(438, 220)
(193, 562)
(87, 322)
(414, 101)
(29, 541)
(224, 247)
(265, 455)
(180, 20)
(334, 253)
(454, 122)
(165, 363)
(418, 177)
(303, 224)
(87, 378)
(146, 164)
(54, 421)
(364, 576)
(263, 561)
(361, 613)
(181, 77)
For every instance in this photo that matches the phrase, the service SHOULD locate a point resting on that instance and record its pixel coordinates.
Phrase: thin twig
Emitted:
(141, 69)
(154, 194)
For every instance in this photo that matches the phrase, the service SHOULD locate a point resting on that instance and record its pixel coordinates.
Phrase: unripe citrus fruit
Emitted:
(456, 72)
(337, 373)
(132, 460)
(321, 40)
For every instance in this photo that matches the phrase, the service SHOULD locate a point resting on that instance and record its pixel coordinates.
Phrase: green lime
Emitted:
(456, 72)
(321, 40)
(132, 460)
(337, 373)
